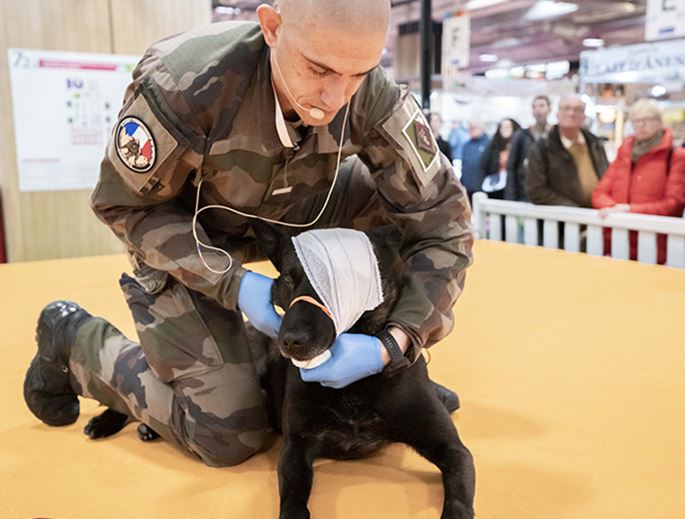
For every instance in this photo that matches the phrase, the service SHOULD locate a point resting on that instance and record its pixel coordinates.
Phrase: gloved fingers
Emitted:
(318, 374)
(269, 323)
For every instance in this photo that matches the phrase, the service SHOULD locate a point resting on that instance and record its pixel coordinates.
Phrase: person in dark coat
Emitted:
(473, 149)
(564, 168)
(520, 146)
(493, 163)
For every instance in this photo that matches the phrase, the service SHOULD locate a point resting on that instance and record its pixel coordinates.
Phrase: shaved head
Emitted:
(350, 15)
(321, 52)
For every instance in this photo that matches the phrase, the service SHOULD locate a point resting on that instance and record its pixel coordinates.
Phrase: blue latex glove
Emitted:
(353, 357)
(254, 300)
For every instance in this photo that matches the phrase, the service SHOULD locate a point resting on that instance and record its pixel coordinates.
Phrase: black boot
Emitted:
(47, 388)
(448, 397)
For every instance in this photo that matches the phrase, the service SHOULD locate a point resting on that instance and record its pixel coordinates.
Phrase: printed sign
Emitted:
(456, 35)
(65, 107)
(664, 19)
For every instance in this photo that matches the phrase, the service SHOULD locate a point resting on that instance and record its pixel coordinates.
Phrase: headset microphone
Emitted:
(314, 112)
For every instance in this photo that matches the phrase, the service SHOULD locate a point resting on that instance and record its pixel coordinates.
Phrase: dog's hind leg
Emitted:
(106, 424)
(295, 476)
(146, 434)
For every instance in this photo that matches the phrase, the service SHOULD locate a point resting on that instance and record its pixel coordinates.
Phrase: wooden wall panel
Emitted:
(49, 224)
(59, 224)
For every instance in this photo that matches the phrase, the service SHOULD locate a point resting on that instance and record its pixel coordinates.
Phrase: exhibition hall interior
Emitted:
(342, 259)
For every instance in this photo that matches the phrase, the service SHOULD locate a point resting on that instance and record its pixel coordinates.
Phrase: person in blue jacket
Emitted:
(471, 176)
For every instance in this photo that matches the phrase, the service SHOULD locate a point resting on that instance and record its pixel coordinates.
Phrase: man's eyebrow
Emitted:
(329, 69)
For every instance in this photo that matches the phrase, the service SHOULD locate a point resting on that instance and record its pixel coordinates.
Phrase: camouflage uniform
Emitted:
(206, 99)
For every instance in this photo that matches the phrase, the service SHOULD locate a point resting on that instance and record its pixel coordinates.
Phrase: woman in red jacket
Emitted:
(648, 175)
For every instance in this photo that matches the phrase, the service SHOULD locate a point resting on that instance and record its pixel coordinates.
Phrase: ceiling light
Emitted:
(506, 42)
(658, 90)
(488, 58)
(593, 42)
(549, 9)
(224, 9)
(517, 72)
(497, 73)
(479, 4)
(538, 67)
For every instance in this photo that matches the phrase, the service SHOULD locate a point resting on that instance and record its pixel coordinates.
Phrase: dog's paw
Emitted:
(108, 423)
(294, 514)
(146, 434)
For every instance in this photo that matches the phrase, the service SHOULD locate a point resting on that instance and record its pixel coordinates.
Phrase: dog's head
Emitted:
(307, 331)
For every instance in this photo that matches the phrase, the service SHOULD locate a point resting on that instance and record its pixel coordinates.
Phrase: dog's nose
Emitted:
(292, 344)
(293, 340)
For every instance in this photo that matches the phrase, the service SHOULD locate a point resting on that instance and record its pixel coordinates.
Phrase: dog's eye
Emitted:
(288, 280)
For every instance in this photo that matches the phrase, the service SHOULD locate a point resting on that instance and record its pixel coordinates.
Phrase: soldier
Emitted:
(257, 119)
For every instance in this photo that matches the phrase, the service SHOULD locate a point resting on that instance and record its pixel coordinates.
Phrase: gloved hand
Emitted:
(353, 357)
(254, 300)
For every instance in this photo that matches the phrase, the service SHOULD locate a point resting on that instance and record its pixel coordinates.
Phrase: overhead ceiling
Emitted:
(506, 30)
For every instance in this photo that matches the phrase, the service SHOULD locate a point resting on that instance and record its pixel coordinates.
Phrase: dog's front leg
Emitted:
(425, 425)
(295, 475)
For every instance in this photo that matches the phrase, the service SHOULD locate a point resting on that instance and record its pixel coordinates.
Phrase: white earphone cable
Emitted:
(199, 244)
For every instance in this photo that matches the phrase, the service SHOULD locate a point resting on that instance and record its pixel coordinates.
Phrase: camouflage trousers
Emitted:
(192, 377)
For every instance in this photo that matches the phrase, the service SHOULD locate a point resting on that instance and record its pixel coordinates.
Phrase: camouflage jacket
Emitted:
(201, 105)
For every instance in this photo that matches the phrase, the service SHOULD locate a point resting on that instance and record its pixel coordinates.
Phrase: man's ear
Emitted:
(271, 239)
(270, 22)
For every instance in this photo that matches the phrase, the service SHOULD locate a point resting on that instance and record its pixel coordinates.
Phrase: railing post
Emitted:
(489, 214)
(478, 215)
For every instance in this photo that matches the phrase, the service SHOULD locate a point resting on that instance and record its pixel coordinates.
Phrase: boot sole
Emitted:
(50, 408)
(66, 406)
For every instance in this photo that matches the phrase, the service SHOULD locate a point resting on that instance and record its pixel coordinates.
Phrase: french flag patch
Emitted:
(135, 145)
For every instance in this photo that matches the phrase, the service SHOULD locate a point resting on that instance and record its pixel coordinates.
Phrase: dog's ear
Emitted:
(272, 240)
(386, 237)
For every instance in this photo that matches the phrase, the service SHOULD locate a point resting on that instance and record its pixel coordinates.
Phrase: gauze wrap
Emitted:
(343, 270)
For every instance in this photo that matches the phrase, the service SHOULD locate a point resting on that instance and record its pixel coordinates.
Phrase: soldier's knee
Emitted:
(229, 447)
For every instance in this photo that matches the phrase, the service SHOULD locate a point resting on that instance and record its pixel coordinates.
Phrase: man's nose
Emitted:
(333, 95)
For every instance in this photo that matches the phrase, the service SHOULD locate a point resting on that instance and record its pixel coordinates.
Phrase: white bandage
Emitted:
(343, 270)
(313, 363)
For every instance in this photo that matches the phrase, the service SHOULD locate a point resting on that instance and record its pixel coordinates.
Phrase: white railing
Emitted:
(521, 226)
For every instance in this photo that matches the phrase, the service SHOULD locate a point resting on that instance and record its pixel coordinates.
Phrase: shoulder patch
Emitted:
(408, 128)
(422, 138)
(141, 149)
(135, 145)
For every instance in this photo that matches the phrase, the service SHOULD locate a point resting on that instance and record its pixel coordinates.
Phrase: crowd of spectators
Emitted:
(565, 164)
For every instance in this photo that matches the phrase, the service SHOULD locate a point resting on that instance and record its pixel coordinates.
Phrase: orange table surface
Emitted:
(570, 369)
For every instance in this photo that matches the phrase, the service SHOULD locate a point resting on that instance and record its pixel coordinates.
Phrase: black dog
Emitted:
(318, 421)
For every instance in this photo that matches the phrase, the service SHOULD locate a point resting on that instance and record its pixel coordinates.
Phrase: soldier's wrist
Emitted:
(401, 338)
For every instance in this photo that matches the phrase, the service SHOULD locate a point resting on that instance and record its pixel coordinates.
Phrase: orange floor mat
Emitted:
(570, 369)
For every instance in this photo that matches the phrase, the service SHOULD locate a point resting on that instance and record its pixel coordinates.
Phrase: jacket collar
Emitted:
(665, 143)
(555, 137)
